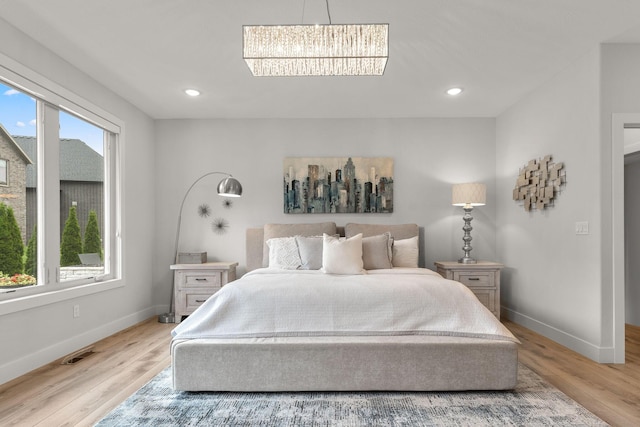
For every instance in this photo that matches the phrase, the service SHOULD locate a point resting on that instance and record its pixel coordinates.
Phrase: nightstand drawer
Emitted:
(195, 300)
(197, 279)
(482, 278)
(475, 279)
(488, 298)
(195, 283)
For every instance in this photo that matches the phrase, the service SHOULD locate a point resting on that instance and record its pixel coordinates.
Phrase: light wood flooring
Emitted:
(81, 394)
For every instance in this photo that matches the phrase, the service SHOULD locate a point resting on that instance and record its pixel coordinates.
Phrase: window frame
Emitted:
(5, 183)
(51, 98)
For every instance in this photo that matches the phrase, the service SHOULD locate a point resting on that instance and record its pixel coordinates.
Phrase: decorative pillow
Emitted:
(290, 230)
(377, 251)
(283, 253)
(405, 253)
(342, 256)
(310, 249)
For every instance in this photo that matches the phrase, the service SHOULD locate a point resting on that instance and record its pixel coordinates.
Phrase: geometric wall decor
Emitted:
(539, 182)
(338, 185)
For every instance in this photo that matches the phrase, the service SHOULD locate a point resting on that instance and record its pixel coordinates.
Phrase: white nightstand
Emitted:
(194, 283)
(483, 278)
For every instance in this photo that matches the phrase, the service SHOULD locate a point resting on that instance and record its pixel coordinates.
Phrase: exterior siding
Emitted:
(87, 196)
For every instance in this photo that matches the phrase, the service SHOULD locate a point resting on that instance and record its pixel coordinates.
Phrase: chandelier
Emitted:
(316, 50)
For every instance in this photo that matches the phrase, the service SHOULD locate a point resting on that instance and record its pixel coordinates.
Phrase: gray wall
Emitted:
(632, 240)
(429, 155)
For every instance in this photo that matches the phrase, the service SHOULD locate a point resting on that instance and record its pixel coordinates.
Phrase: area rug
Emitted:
(533, 403)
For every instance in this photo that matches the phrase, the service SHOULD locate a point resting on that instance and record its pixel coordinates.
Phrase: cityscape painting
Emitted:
(338, 185)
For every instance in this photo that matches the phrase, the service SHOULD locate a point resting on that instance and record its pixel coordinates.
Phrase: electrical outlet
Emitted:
(76, 310)
(582, 227)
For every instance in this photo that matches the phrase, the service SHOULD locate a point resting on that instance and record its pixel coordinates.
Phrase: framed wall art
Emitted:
(338, 185)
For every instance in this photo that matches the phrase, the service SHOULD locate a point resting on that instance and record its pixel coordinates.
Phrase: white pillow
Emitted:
(283, 253)
(342, 256)
(310, 249)
(405, 252)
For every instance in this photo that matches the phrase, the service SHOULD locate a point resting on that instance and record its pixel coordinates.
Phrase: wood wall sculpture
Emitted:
(539, 183)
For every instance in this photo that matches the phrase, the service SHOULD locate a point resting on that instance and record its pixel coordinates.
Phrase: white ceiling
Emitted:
(148, 51)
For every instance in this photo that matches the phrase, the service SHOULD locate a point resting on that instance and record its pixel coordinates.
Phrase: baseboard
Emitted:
(587, 349)
(34, 360)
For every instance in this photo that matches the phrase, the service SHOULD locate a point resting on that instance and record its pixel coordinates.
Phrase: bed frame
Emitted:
(409, 363)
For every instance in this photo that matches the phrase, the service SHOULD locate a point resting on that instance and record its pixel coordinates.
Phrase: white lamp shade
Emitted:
(469, 194)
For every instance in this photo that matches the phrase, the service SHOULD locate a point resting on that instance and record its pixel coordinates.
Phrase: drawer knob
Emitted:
(474, 278)
(200, 300)
(199, 279)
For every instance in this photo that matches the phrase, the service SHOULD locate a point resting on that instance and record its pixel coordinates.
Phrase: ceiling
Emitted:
(149, 51)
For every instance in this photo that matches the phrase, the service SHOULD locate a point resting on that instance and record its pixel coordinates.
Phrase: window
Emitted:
(4, 172)
(62, 195)
(82, 179)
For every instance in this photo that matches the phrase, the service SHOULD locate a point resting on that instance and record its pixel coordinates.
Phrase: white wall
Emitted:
(429, 155)
(33, 337)
(552, 283)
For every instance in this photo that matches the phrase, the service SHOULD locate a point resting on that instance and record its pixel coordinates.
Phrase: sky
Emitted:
(18, 116)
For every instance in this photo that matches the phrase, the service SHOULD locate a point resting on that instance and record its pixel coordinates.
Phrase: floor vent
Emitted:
(78, 356)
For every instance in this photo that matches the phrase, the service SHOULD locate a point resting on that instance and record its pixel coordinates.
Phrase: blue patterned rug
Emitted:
(533, 403)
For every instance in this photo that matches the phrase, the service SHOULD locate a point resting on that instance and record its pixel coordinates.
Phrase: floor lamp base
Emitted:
(167, 318)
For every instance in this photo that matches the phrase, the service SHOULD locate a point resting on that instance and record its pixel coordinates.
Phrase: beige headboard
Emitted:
(258, 252)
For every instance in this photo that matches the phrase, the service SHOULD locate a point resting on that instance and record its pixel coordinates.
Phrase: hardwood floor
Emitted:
(81, 394)
(611, 391)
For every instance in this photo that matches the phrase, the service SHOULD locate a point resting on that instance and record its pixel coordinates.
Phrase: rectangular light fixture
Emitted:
(316, 50)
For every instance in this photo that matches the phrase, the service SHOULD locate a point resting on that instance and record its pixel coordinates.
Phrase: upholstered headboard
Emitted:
(258, 252)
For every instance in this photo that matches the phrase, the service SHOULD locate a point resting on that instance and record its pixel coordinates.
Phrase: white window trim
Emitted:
(6, 183)
(32, 83)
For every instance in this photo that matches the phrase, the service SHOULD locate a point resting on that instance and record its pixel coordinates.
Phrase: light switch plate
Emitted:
(582, 227)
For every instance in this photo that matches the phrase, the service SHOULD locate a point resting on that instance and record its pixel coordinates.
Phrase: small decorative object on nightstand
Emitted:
(194, 283)
(483, 278)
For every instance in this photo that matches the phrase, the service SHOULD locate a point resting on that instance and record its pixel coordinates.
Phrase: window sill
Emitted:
(43, 298)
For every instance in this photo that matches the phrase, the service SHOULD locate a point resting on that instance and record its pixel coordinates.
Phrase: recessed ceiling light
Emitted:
(192, 92)
(454, 91)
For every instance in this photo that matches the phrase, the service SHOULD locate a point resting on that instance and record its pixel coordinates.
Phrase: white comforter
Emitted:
(284, 303)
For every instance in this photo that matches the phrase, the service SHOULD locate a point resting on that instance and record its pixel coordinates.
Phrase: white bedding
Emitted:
(285, 303)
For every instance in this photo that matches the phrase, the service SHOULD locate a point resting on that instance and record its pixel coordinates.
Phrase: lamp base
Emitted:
(467, 261)
(167, 318)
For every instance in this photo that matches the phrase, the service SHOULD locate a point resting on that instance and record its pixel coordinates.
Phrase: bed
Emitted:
(289, 326)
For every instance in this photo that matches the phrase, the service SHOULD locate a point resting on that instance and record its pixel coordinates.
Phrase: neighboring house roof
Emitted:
(17, 147)
(78, 161)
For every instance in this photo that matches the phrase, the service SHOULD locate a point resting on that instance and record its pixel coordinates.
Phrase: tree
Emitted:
(71, 244)
(92, 241)
(31, 263)
(11, 245)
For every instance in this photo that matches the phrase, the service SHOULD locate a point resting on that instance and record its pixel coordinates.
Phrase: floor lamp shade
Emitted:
(230, 187)
(468, 195)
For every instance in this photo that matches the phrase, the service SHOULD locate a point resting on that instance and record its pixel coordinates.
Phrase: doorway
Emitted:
(620, 121)
(631, 226)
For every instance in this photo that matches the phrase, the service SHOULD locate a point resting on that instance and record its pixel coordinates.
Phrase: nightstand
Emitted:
(194, 283)
(483, 278)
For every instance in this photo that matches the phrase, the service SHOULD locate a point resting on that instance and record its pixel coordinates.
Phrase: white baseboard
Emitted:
(587, 349)
(49, 354)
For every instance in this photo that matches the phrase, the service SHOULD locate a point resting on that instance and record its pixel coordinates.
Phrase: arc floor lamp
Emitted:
(228, 187)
